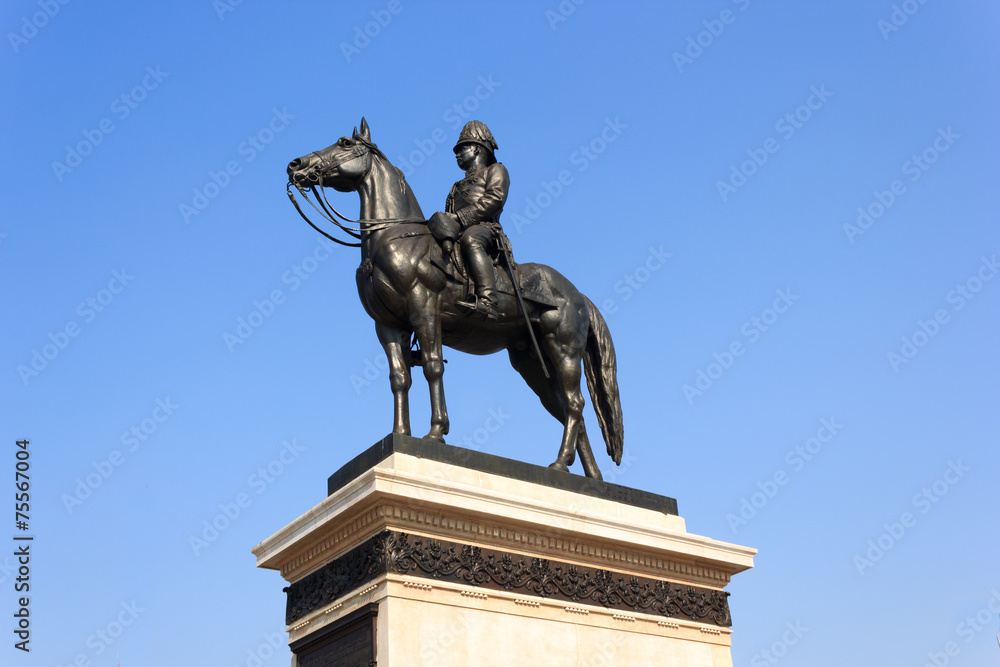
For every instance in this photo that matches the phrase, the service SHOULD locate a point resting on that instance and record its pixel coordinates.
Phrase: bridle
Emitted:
(362, 148)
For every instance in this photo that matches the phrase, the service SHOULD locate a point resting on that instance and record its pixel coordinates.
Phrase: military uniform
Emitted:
(476, 202)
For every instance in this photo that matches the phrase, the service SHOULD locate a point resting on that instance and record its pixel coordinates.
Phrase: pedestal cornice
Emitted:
(445, 501)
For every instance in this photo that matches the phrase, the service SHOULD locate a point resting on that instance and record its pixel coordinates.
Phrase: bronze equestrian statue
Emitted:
(411, 286)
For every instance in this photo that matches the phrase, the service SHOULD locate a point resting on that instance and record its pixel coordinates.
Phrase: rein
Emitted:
(288, 191)
(364, 149)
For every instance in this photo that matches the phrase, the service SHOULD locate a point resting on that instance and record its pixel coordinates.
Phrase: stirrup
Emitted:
(481, 306)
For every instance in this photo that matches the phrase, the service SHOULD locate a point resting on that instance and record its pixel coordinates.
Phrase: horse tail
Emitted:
(601, 368)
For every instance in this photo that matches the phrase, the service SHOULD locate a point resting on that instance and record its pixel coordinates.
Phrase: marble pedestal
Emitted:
(426, 554)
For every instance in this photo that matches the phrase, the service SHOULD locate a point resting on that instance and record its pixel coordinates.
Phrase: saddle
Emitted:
(453, 265)
(533, 287)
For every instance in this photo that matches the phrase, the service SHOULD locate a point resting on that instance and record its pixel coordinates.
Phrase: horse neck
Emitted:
(385, 195)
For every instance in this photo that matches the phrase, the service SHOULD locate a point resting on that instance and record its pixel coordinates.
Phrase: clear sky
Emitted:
(787, 212)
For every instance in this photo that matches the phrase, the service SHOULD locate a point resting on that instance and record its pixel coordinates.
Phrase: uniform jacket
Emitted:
(479, 197)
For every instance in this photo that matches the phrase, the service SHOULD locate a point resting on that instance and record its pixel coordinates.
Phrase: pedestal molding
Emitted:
(395, 499)
(436, 523)
(487, 569)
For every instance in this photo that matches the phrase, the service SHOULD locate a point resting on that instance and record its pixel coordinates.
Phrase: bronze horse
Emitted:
(408, 286)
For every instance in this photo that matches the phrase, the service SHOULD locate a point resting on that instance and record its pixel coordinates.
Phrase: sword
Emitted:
(508, 253)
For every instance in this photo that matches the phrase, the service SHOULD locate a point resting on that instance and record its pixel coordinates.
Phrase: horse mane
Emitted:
(404, 188)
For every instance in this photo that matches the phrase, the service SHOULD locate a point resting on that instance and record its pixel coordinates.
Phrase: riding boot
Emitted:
(481, 268)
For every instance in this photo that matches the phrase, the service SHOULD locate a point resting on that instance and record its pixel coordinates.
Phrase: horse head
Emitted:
(342, 166)
(355, 164)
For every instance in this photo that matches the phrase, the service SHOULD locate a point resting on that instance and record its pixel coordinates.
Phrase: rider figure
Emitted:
(472, 212)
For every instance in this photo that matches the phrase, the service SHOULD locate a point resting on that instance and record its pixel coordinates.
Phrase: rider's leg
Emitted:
(476, 243)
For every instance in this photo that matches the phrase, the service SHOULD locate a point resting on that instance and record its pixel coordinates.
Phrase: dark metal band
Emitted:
(401, 553)
(350, 641)
(495, 465)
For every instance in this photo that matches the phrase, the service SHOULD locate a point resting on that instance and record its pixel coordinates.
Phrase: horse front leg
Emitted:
(426, 323)
(396, 343)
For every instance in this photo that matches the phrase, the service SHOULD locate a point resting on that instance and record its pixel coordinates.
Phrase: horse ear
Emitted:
(355, 135)
(365, 132)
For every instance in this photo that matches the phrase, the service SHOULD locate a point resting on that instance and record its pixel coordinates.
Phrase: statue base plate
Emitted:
(423, 557)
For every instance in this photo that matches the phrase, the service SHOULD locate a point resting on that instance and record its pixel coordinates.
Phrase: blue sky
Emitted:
(814, 183)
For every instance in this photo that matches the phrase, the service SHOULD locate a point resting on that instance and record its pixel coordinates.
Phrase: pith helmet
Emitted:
(476, 132)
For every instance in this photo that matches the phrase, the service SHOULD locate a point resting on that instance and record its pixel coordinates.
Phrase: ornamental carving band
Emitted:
(400, 553)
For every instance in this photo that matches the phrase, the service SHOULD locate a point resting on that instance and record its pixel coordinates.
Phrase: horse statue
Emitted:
(409, 286)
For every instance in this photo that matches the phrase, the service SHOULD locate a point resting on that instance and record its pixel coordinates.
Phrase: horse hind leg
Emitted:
(568, 375)
(547, 390)
(587, 459)
(566, 340)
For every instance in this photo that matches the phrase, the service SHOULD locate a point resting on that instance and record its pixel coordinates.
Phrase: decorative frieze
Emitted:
(415, 556)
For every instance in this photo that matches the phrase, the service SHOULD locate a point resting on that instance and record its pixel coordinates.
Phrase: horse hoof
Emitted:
(434, 436)
(562, 467)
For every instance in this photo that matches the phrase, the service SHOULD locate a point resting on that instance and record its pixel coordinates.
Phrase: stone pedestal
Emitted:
(427, 554)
